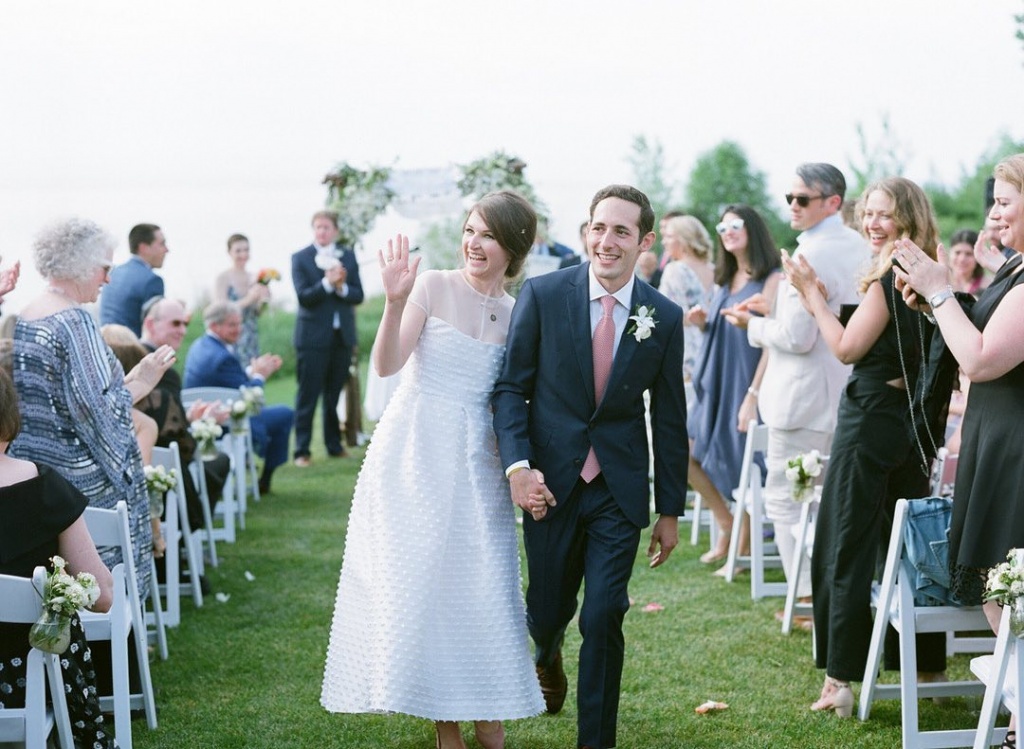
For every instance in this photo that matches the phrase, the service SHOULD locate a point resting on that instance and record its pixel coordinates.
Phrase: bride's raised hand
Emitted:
(397, 272)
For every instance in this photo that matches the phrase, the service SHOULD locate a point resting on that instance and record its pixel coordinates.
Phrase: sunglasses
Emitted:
(802, 200)
(736, 224)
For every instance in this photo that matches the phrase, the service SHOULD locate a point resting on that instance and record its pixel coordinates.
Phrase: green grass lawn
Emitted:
(246, 673)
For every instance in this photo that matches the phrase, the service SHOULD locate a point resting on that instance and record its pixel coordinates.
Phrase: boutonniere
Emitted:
(643, 322)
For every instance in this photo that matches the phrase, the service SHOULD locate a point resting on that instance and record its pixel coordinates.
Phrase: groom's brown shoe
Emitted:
(553, 684)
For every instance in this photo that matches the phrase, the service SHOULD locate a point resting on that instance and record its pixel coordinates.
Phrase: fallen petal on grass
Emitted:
(710, 705)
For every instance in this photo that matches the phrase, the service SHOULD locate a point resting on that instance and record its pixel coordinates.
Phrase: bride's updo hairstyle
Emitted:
(512, 220)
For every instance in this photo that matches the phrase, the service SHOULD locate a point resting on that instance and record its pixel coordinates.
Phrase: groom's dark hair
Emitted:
(631, 195)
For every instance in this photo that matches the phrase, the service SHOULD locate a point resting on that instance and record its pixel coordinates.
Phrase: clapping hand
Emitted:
(9, 279)
(150, 369)
(396, 271)
(697, 316)
(917, 276)
(988, 255)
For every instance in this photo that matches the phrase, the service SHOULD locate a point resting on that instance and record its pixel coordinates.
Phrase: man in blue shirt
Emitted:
(133, 283)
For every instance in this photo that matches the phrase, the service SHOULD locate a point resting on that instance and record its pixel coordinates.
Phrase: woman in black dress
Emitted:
(988, 343)
(875, 458)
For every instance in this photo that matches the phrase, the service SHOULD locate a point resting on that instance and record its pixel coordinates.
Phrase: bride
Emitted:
(429, 619)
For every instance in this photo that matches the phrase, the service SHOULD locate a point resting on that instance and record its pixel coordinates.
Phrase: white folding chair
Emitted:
(208, 532)
(894, 604)
(32, 724)
(749, 499)
(1001, 674)
(243, 454)
(803, 535)
(109, 528)
(177, 533)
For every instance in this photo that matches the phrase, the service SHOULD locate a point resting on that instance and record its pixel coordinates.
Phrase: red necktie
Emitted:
(603, 349)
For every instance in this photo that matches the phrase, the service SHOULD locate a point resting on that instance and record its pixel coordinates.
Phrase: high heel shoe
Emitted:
(490, 734)
(835, 695)
(1010, 742)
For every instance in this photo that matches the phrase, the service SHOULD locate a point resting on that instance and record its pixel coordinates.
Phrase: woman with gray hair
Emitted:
(74, 397)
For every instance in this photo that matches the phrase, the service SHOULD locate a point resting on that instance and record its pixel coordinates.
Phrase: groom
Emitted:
(569, 415)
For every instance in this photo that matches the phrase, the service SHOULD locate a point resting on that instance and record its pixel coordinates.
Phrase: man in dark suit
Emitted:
(211, 362)
(133, 283)
(326, 278)
(583, 346)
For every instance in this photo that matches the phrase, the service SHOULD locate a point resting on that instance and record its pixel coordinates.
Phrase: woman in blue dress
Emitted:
(729, 369)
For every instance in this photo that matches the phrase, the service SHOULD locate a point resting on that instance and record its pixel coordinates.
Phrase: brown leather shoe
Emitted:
(553, 684)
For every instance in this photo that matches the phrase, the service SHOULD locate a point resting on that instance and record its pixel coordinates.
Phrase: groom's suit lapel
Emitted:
(577, 313)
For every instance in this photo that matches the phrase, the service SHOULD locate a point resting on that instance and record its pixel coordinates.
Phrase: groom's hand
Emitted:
(530, 493)
(664, 538)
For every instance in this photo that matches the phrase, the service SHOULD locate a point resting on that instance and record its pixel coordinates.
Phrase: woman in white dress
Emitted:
(429, 619)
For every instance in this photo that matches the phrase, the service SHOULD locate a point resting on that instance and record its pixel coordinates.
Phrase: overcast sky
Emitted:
(213, 117)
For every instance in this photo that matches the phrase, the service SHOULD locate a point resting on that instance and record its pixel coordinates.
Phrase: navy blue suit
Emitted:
(323, 351)
(211, 364)
(544, 412)
(132, 284)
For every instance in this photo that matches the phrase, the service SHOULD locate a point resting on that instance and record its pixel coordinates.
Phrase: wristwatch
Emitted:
(937, 299)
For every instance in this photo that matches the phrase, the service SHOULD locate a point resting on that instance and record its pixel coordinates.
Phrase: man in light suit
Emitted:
(799, 395)
(326, 278)
(569, 416)
(211, 362)
(134, 283)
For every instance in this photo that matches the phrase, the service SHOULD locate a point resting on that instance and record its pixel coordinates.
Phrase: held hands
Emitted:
(397, 272)
(530, 493)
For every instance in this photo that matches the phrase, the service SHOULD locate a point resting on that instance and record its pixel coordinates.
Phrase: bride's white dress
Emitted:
(429, 619)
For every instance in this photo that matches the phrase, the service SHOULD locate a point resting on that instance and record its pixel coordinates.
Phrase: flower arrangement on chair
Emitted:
(206, 432)
(62, 596)
(249, 404)
(802, 470)
(1005, 585)
(159, 481)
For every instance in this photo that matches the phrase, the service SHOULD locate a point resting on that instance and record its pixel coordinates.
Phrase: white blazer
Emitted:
(803, 380)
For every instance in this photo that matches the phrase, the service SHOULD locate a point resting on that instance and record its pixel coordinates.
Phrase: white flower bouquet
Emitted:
(1006, 580)
(206, 432)
(1005, 585)
(159, 481)
(802, 471)
(62, 596)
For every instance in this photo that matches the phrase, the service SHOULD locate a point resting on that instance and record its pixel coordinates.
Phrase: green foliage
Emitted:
(724, 175)
(886, 157)
(497, 171)
(652, 177)
(962, 206)
(359, 197)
